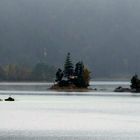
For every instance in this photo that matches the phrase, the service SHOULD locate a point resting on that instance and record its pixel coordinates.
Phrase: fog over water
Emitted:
(102, 33)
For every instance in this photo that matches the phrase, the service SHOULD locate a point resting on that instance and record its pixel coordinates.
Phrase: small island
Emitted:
(72, 78)
(134, 87)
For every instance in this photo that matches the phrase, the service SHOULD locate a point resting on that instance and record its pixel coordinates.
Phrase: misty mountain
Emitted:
(105, 34)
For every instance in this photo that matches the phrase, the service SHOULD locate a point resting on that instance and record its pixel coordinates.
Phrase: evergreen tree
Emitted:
(59, 75)
(135, 83)
(82, 75)
(79, 69)
(68, 67)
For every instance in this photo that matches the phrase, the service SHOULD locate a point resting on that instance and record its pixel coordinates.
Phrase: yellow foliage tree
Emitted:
(86, 76)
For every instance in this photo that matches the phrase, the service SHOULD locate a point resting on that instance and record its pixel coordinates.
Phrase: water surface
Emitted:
(102, 115)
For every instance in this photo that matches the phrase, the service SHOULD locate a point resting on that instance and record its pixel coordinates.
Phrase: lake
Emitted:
(41, 114)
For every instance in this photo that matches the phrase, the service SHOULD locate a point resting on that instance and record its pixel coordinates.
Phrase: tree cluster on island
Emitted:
(72, 77)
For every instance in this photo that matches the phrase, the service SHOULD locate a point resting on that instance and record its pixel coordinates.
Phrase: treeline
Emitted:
(39, 72)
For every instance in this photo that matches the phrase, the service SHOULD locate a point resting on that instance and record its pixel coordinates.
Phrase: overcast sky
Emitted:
(103, 33)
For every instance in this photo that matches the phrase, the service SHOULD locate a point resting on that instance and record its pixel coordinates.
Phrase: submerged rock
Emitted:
(10, 99)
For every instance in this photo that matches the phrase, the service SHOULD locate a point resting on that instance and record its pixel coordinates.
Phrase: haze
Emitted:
(105, 34)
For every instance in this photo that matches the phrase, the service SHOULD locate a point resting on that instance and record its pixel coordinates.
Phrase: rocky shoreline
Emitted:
(121, 89)
(70, 88)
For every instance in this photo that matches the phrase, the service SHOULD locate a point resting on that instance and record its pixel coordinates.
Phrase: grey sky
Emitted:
(105, 33)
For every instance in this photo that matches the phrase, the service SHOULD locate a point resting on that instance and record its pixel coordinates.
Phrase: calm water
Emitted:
(102, 115)
(43, 88)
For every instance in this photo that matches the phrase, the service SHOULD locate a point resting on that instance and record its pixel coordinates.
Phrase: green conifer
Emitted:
(68, 67)
(82, 75)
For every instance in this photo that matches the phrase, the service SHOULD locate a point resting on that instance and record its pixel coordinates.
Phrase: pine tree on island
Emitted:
(71, 77)
(68, 67)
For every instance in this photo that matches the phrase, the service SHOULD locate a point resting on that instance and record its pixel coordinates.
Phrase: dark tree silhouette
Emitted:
(79, 68)
(59, 75)
(79, 74)
(135, 83)
(68, 67)
(82, 75)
